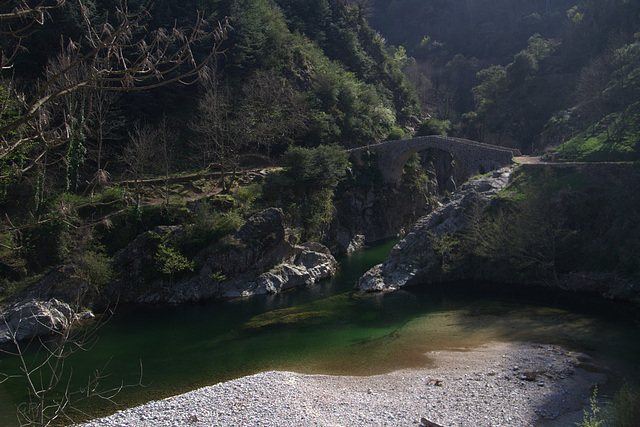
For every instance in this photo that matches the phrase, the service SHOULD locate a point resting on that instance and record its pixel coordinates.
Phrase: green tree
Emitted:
(172, 261)
(524, 66)
(314, 174)
(433, 127)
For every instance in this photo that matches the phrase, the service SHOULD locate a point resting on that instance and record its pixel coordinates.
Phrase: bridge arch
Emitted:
(476, 157)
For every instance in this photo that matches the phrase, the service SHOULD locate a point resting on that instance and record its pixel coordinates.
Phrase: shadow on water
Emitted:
(329, 329)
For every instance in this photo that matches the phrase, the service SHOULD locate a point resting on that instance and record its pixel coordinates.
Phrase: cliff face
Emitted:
(368, 211)
(413, 259)
(258, 259)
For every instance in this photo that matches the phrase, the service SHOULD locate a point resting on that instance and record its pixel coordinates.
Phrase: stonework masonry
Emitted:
(476, 157)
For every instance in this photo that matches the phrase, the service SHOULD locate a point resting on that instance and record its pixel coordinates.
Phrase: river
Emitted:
(329, 329)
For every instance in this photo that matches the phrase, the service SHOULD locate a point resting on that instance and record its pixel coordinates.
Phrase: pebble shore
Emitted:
(499, 384)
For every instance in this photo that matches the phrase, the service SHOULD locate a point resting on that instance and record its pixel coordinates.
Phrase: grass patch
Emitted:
(616, 138)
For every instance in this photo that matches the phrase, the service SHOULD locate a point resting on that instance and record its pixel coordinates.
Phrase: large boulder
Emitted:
(310, 263)
(29, 318)
(50, 305)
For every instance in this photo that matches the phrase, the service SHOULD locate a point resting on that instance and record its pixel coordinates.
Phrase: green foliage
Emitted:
(218, 276)
(591, 417)
(310, 179)
(396, 133)
(565, 221)
(520, 236)
(122, 228)
(172, 261)
(491, 89)
(433, 127)
(354, 89)
(9, 288)
(539, 47)
(97, 268)
(315, 168)
(248, 194)
(624, 408)
(209, 227)
(524, 66)
(604, 141)
(608, 90)
(414, 176)
(449, 248)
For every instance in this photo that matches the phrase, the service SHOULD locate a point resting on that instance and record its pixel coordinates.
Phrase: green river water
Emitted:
(329, 329)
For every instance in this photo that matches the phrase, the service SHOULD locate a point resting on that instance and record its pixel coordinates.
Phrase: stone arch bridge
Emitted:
(476, 157)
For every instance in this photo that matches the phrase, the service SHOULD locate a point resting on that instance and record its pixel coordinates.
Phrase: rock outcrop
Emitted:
(29, 318)
(413, 259)
(258, 259)
(51, 305)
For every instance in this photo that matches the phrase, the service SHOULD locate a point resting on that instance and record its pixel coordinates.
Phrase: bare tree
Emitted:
(103, 124)
(166, 138)
(118, 55)
(112, 56)
(18, 20)
(211, 123)
(215, 140)
(138, 154)
(274, 112)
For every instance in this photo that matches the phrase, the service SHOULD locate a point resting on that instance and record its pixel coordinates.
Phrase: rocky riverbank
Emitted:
(506, 384)
(260, 258)
(414, 259)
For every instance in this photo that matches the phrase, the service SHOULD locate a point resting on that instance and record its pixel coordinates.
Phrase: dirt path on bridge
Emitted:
(529, 160)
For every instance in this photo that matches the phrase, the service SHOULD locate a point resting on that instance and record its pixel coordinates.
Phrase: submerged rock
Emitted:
(413, 259)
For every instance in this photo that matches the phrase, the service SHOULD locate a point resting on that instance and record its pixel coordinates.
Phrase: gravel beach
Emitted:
(498, 384)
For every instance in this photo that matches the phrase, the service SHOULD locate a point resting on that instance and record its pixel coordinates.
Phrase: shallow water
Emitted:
(329, 329)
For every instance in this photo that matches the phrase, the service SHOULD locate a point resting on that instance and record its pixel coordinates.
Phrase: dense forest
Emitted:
(98, 96)
(526, 74)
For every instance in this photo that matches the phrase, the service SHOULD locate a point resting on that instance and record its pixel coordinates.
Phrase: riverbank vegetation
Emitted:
(573, 227)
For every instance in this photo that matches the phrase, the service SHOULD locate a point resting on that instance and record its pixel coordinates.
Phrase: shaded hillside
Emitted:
(500, 71)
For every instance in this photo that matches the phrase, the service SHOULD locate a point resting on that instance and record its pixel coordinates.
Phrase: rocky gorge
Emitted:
(263, 257)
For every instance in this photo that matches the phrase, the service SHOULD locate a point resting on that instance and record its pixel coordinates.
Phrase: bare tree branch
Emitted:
(112, 56)
(49, 381)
